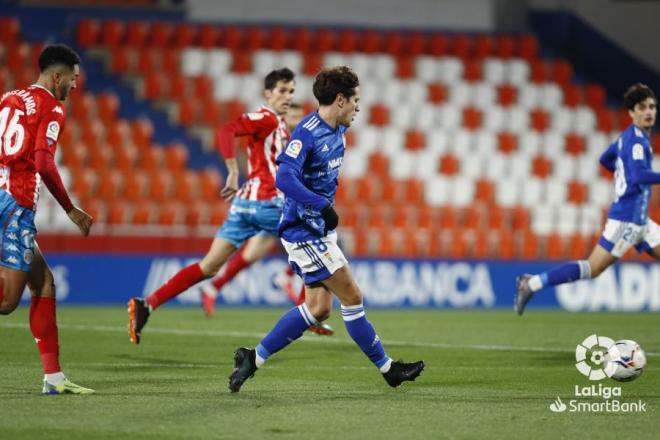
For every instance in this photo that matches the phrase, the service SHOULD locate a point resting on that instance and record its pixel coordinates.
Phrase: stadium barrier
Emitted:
(84, 278)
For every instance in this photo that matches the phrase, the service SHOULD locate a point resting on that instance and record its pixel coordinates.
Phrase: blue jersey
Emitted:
(313, 156)
(630, 157)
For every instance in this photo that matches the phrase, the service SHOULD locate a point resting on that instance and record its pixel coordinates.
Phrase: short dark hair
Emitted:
(58, 54)
(283, 74)
(331, 81)
(635, 94)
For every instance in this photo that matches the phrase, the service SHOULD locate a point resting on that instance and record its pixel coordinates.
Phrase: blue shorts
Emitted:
(17, 234)
(250, 217)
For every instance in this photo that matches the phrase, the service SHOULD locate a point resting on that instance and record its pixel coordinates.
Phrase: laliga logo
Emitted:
(593, 355)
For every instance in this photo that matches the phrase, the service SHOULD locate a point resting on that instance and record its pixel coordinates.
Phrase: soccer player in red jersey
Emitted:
(256, 206)
(31, 121)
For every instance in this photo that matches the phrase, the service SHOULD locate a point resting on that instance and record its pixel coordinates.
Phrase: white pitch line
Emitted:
(324, 340)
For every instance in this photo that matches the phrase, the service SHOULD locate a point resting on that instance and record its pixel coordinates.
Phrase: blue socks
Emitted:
(293, 323)
(364, 335)
(566, 273)
(290, 327)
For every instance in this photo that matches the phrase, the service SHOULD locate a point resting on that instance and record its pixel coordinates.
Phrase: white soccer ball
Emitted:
(627, 359)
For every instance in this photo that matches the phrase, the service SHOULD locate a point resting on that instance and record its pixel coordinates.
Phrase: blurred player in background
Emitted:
(253, 251)
(630, 158)
(31, 121)
(256, 206)
(308, 175)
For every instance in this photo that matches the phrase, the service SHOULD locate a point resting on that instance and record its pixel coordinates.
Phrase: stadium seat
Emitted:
(137, 32)
(10, 28)
(161, 34)
(112, 33)
(185, 35)
(209, 36)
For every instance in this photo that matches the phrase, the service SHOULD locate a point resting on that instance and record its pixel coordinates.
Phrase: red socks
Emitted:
(235, 264)
(43, 325)
(186, 277)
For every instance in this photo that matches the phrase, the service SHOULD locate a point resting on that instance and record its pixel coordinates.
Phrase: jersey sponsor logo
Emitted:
(638, 152)
(294, 148)
(255, 116)
(53, 130)
(58, 109)
(335, 163)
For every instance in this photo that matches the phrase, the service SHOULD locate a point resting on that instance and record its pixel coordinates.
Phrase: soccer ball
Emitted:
(627, 359)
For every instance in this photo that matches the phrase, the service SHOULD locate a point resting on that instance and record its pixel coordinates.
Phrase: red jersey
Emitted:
(268, 135)
(30, 120)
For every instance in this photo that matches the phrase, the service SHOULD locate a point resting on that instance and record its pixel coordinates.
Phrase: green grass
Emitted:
(488, 375)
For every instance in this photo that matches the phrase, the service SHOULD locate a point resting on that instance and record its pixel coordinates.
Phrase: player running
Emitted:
(308, 175)
(31, 121)
(256, 206)
(628, 225)
(251, 252)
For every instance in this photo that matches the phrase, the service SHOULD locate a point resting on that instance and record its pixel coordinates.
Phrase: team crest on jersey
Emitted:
(58, 109)
(293, 149)
(638, 152)
(28, 256)
(53, 130)
(255, 116)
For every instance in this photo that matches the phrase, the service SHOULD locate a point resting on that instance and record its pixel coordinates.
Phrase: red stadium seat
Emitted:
(117, 212)
(203, 86)
(84, 183)
(161, 34)
(255, 38)
(413, 191)
(367, 189)
(563, 72)
(426, 217)
(188, 111)
(471, 218)
(473, 70)
(472, 118)
(541, 166)
(241, 62)
(507, 142)
(449, 164)
(197, 213)
(107, 105)
(109, 184)
(417, 44)
(125, 156)
(151, 159)
(578, 193)
(405, 67)
(155, 85)
(378, 164)
(87, 32)
(144, 213)
(505, 248)
(218, 213)
(439, 44)
(575, 144)
(302, 40)
(461, 46)
(10, 28)
(171, 213)
(347, 41)
(118, 133)
(170, 61)
(135, 186)
(606, 120)
(539, 71)
(394, 43)
(312, 63)
(18, 55)
(595, 96)
(142, 130)
(484, 191)
(483, 46)
(507, 95)
(100, 157)
(325, 40)
(415, 140)
(529, 247)
(176, 157)
(379, 115)
(529, 47)
(185, 35)
(370, 42)
(555, 247)
(278, 38)
(437, 93)
(505, 46)
(112, 33)
(210, 184)
(232, 38)
(390, 190)
(539, 119)
(520, 219)
(209, 36)
(572, 95)
(580, 246)
(161, 186)
(623, 118)
(92, 133)
(122, 60)
(96, 208)
(74, 157)
(137, 32)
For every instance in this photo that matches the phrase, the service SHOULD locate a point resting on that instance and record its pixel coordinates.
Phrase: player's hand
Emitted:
(81, 219)
(330, 218)
(231, 187)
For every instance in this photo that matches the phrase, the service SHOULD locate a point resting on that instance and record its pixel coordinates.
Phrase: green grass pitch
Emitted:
(489, 374)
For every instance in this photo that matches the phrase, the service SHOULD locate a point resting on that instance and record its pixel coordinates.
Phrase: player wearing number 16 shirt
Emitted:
(628, 224)
(31, 121)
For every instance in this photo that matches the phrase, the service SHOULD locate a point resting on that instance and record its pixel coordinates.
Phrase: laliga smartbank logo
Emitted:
(596, 358)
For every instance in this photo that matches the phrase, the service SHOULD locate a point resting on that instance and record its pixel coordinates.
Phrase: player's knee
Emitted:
(321, 311)
(6, 308)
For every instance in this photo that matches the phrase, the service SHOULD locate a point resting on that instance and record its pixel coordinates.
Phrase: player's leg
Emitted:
(43, 325)
(139, 309)
(255, 249)
(12, 283)
(320, 328)
(289, 328)
(342, 283)
(617, 238)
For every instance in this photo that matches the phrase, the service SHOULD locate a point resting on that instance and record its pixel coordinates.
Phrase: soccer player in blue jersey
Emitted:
(628, 225)
(308, 174)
